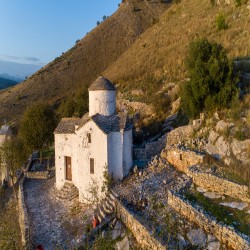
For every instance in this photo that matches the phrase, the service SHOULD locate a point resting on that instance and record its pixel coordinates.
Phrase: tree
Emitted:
(37, 127)
(76, 105)
(212, 83)
(13, 156)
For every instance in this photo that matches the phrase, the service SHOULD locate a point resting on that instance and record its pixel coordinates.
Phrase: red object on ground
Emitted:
(95, 222)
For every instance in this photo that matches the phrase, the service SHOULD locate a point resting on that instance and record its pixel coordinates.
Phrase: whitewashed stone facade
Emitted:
(85, 147)
(5, 134)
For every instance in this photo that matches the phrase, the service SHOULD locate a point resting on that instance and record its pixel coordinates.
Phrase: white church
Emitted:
(102, 139)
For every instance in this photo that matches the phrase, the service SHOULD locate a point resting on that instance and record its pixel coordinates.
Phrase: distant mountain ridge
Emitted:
(12, 78)
(19, 70)
(6, 83)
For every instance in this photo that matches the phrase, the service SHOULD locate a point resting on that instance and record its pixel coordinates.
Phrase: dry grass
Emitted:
(162, 49)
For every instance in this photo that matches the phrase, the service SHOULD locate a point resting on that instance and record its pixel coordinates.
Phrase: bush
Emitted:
(239, 2)
(212, 84)
(221, 22)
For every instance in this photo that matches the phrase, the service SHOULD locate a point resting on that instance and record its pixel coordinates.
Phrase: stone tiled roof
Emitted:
(107, 124)
(67, 125)
(113, 123)
(102, 84)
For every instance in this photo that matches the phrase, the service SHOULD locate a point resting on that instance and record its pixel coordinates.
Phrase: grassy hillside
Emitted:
(159, 54)
(85, 61)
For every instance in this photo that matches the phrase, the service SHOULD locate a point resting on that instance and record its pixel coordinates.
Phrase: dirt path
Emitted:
(53, 222)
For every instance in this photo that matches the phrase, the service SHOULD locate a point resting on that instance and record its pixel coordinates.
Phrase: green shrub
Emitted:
(239, 2)
(221, 22)
(212, 2)
(240, 135)
(212, 83)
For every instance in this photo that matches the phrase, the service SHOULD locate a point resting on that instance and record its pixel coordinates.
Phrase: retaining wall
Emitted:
(150, 149)
(182, 159)
(37, 175)
(23, 217)
(224, 233)
(217, 184)
(139, 231)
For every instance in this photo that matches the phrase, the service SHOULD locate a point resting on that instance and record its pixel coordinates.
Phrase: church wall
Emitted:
(115, 155)
(97, 150)
(102, 102)
(127, 152)
(64, 146)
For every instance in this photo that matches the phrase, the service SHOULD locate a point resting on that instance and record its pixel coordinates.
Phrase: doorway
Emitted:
(68, 168)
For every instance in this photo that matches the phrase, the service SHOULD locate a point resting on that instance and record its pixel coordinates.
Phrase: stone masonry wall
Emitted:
(23, 217)
(150, 149)
(225, 234)
(182, 159)
(139, 231)
(37, 175)
(217, 184)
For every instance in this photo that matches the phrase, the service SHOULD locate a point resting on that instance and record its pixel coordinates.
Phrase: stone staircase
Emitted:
(106, 211)
(68, 192)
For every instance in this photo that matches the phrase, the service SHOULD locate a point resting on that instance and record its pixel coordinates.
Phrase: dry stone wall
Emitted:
(217, 184)
(23, 217)
(225, 234)
(182, 159)
(150, 149)
(37, 175)
(139, 231)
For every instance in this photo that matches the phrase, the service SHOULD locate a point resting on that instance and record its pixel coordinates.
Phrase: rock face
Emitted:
(197, 237)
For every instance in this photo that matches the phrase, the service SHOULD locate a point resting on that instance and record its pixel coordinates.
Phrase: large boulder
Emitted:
(240, 150)
(222, 146)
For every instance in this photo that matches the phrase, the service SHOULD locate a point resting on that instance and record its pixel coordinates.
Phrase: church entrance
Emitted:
(68, 168)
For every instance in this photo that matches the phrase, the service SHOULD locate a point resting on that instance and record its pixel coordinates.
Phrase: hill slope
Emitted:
(85, 61)
(160, 52)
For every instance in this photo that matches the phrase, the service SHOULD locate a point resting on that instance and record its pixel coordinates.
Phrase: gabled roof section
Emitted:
(114, 123)
(67, 125)
(107, 124)
(102, 83)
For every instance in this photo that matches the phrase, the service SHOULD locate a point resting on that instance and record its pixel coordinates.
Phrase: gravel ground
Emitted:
(53, 222)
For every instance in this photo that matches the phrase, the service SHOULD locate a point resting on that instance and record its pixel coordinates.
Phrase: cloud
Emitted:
(24, 59)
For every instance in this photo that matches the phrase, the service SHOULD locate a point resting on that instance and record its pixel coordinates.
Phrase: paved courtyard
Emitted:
(54, 222)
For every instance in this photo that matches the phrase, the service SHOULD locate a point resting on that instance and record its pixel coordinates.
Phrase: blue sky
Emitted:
(37, 31)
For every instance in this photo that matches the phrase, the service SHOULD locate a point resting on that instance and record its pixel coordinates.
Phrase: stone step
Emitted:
(109, 205)
(102, 212)
(68, 192)
(107, 209)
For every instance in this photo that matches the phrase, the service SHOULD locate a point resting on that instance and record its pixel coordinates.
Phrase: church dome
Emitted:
(102, 84)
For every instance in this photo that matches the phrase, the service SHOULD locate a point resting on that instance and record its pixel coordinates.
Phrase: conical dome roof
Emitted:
(102, 84)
